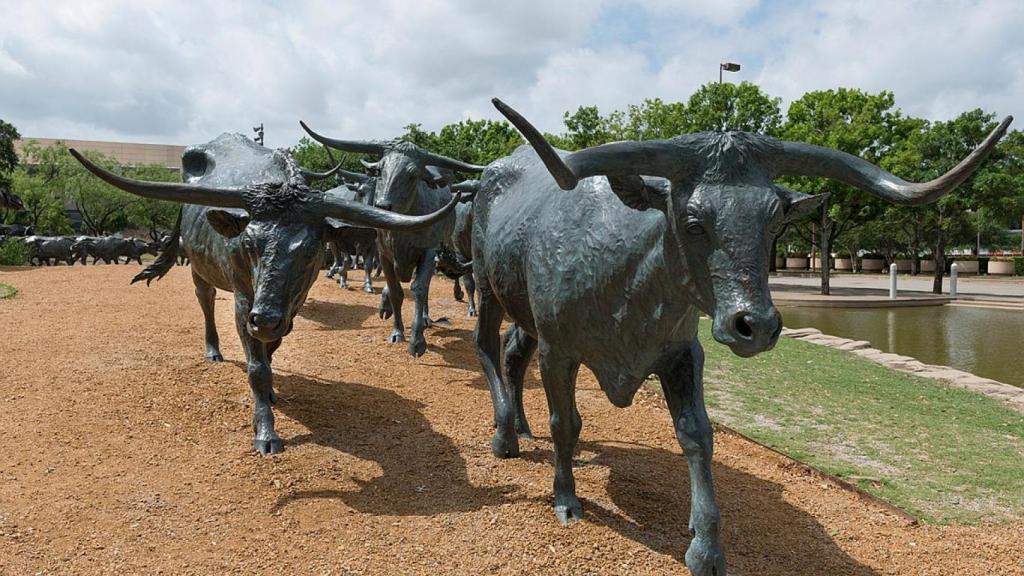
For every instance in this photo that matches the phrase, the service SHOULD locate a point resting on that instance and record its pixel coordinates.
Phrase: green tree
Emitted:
(152, 215)
(856, 122)
(44, 205)
(931, 151)
(476, 141)
(654, 119)
(585, 128)
(8, 156)
(1006, 175)
(725, 106)
(104, 209)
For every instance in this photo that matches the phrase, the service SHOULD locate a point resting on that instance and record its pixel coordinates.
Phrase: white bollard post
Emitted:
(892, 281)
(952, 280)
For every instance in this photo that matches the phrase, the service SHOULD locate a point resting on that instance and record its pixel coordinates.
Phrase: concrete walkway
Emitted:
(999, 288)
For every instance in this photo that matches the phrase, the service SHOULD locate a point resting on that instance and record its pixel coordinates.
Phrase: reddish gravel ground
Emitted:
(126, 453)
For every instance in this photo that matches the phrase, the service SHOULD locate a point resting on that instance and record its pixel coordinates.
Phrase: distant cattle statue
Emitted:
(251, 225)
(16, 230)
(111, 249)
(455, 255)
(355, 246)
(43, 249)
(608, 256)
(409, 181)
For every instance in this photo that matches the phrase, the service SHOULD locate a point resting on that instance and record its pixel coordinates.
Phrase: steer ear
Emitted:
(641, 192)
(227, 223)
(797, 205)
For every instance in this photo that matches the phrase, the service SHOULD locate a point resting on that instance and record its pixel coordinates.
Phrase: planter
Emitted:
(816, 264)
(1000, 268)
(927, 265)
(872, 264)
(780, 262)
(904, 265)
(844, 264)
(967, 266)
(796, 263)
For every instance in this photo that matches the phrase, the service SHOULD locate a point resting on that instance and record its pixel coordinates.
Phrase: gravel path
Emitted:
(126, 453)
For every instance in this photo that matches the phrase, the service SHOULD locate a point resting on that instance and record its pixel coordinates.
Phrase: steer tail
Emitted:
(167, 258)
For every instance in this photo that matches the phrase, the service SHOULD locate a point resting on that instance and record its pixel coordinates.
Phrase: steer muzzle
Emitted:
(266, 325)
(747, 331)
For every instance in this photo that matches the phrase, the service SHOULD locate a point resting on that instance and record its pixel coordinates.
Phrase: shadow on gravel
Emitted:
(762, 533)
(423, 472)
(337, 316)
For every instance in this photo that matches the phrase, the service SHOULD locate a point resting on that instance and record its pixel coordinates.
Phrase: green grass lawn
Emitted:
(941, 453)
(6, 291)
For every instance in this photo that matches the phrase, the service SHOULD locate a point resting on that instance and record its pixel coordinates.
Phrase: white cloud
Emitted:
(184, 72)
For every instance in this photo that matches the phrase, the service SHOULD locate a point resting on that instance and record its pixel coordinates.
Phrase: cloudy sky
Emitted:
(184, 71)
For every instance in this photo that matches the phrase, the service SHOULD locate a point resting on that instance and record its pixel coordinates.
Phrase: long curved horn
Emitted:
(370, 165)
(364, 215)
(361, 146)
(468, 187)
(353, 176)
(345, 174)
(451, 163)
(174, 192)
(799, 159)
(663, 158)
(310, 176)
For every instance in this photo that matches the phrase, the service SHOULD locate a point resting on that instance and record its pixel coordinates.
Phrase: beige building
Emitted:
(126, 153)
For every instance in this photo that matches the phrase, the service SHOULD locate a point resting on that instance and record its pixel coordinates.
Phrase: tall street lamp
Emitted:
(727, 67)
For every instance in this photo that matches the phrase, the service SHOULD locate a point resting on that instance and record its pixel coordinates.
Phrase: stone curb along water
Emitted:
(1012, 396)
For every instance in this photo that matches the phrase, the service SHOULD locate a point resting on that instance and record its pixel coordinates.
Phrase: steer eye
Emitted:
(695, 228)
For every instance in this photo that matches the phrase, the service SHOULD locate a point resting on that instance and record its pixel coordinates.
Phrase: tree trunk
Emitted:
(915, 254)
(826, 231)
(940, 262)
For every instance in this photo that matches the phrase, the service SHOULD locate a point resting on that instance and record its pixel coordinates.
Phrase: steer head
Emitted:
(403, 167)
(272, 221)
(723, 209)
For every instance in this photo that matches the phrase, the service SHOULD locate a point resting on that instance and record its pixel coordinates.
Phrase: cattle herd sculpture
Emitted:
(53, 250)
(605, 257)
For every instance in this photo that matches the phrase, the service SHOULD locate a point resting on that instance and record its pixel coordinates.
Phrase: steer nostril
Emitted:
(263, 320)
(744, 327)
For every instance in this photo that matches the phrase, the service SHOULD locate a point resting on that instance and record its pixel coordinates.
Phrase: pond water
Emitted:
(981, 341)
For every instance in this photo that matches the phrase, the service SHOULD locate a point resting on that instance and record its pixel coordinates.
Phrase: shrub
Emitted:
(13, 252)
(1018, 265)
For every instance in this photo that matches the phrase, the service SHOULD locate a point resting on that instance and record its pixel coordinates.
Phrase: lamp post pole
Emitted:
(727, 67)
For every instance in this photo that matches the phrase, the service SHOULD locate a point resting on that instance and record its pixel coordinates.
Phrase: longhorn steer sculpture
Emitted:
(408, 182)
(359, 243)
(613, 270)
(250, 225)
(42, 249)
(455, 255)
(110, 249)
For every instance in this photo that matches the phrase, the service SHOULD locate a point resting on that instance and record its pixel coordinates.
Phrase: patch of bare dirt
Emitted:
(126, 453)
